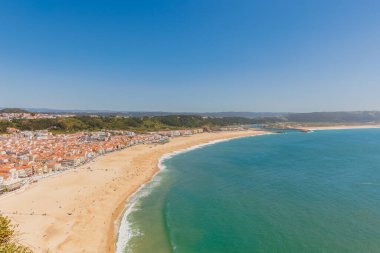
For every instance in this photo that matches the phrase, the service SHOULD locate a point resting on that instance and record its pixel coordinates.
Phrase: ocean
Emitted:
(284, 193)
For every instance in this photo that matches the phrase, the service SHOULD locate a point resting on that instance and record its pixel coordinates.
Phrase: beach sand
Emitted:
(78, 211)
(341, 127)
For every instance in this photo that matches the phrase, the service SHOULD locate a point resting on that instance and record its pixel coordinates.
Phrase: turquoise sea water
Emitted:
(294, 192)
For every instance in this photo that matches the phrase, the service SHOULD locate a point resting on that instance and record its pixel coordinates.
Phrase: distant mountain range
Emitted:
(153, 113)
(338, 117)
(13, 110)
(313, 117)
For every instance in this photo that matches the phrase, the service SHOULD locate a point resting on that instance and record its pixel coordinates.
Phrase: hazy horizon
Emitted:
(46, 109)
(191, 56)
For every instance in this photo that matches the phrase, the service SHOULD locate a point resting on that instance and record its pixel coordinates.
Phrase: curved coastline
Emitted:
(204, 201)
(121, 222)
(81, 210)
(78, 210)
(124, 205)
(342, 127)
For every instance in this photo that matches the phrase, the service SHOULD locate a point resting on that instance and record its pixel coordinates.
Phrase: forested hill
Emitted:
(143, 124)
(13, 110)
(221, 117)
(146, 124)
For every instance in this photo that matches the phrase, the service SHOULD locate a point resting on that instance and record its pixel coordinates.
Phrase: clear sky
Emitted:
(191, 55)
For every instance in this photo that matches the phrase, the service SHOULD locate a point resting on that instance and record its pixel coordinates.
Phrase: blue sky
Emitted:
(198, 55)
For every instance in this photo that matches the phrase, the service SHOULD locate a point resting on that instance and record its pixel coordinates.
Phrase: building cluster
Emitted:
(27, 156)
(12, 116)
(233, 128)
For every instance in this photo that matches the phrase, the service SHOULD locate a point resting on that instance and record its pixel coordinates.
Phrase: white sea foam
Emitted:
(126, 230)
(370, 183)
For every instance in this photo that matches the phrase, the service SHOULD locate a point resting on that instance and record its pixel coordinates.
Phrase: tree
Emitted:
(8, 242)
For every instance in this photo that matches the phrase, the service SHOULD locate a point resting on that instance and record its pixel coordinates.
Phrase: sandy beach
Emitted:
(342, 127)
(78, 211)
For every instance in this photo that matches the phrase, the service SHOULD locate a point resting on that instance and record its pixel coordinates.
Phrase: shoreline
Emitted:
(340, 127)
(160, 167)
(317, 127)
(78, 210)
(128, 204)
(82, 209)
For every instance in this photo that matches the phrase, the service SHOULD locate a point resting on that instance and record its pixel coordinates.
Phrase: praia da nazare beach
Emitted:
(63, 204)
(77, 199)
(290, 192)
(194, 126)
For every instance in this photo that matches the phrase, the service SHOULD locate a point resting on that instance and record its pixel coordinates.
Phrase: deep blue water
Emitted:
(294, 192)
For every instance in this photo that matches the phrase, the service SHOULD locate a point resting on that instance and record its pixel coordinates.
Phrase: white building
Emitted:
(22, 173)
(13, 175)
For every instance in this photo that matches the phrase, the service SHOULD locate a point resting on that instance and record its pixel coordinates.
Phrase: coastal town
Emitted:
(30, 115)
(28, 156)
